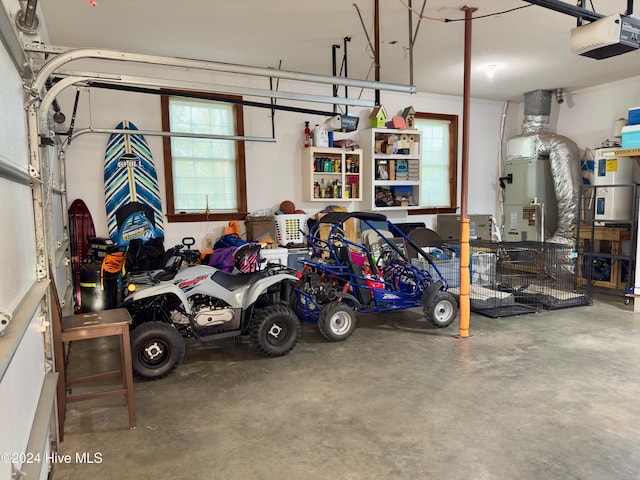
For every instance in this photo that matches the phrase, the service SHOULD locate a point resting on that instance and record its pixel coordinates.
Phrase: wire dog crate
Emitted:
(515, 278)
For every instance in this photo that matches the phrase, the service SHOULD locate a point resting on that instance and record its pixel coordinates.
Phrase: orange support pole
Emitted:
(465, 304)
(465, 278)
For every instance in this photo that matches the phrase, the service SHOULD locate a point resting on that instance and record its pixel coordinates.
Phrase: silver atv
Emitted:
(204, 302)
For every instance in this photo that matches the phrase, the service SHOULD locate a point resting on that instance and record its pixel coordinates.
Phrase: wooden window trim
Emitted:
(241, 172)
(453, 164)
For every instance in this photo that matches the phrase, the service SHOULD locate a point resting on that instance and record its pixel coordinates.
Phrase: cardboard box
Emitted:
(257, 230)
(350, 227)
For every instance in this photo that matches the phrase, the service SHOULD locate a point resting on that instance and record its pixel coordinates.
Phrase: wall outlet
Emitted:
(209, 240)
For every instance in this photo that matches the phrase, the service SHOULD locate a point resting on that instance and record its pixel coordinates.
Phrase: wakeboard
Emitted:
(81, 231)
(132, 194)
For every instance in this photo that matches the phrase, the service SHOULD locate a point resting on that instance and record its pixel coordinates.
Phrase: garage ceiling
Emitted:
(529, 46)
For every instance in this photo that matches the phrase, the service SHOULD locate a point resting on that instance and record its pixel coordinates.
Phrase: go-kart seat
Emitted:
(362, 292)
(374, 241)
(423, 237)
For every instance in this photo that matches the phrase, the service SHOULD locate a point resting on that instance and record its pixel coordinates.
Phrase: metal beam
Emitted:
(80, 77)
(155, 133)
(567, 9)
(54, 64)
(16, 174)
(215, 88)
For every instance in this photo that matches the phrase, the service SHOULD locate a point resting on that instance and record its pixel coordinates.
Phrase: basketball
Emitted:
(288, 207)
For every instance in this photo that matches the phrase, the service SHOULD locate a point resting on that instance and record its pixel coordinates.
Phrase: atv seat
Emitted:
(233, 281)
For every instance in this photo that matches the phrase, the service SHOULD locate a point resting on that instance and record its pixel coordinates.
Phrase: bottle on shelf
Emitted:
(307, 135)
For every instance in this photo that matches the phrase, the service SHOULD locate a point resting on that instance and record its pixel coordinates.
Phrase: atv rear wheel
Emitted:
(157, 348)
(442, 310)
(275, 330)
(337, 321)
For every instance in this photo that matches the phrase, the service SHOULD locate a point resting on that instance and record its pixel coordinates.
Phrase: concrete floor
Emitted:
(551, 395)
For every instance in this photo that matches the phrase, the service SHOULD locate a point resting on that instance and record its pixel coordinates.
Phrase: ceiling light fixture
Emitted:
(491, 70)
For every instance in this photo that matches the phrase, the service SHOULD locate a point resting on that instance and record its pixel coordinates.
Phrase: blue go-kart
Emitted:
(343, 277)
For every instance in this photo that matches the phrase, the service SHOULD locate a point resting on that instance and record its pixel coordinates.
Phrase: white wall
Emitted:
(274, 170)
(588, 114)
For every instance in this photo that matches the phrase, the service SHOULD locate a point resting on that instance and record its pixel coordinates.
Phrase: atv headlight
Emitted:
(131, 287)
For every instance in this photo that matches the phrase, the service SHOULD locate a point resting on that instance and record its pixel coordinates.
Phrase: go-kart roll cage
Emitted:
(336, 232)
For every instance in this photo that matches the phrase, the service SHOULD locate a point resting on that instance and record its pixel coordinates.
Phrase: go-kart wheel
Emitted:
(442, 310)
(157, 348)
(337, 321)
(275, 330)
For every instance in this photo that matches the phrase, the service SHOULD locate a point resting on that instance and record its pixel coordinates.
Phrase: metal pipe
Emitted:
(413, 35)
(376, 50)
(410, 12)
(29, 13)
(77, 77)
(210, 87)
(346, 74)
(334, 69)
(156, 133)
(366, 34)
(15, 174)
(465, 250)
(55, 63)
(229, 89)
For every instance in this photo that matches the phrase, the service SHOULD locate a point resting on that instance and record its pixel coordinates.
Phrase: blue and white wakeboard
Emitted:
(132, 194)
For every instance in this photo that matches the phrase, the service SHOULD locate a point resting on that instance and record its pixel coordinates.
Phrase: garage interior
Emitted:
(519, 363)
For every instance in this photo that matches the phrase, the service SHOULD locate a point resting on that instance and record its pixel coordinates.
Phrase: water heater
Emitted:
(613, 179)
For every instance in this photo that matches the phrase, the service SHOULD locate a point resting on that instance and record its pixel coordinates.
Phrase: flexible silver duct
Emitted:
(563, 158)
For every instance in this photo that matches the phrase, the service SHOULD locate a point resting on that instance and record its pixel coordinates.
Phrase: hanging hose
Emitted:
(113, 263)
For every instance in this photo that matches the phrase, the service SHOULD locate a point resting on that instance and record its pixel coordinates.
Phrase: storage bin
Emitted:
(290, 229)
(631, 136)
(294, 257)
(274, 255)
(633, 117)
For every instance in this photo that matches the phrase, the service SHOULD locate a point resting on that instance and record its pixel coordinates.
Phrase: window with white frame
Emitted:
(204, 177)
(439, 162)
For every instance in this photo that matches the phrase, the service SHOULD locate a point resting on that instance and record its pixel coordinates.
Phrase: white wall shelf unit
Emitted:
(391, 169)
(332, 174)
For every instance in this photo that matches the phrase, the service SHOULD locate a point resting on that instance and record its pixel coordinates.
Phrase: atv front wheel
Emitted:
(442, 310)
(337, 321)
(275, 330)
(157, 348)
